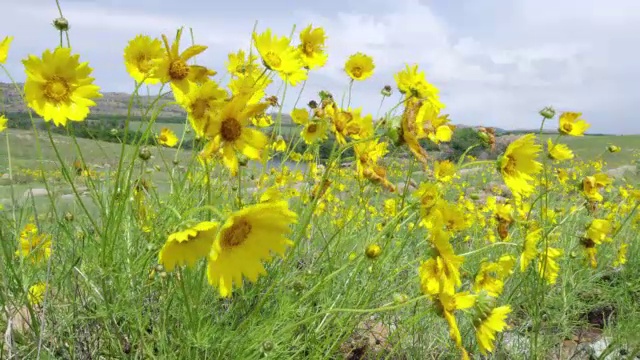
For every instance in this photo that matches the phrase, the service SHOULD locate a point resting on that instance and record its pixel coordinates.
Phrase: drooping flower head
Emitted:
(249, 237)
(58, 86)
(188, 246)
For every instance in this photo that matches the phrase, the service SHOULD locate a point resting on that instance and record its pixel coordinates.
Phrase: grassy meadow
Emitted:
(378, 250)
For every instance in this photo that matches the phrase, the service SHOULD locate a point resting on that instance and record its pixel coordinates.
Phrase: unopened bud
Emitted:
(613, 148)
(548, 112)
(386, 90)
(113, 132)
(61, 24)
(68, 216)
(144, 154)
(373, 251)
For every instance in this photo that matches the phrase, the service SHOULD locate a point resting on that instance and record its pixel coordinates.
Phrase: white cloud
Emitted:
(497, 67)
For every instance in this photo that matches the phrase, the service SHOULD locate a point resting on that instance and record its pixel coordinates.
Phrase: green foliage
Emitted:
(463, 139)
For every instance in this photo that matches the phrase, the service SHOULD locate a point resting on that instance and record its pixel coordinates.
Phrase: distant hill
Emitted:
(112, 104)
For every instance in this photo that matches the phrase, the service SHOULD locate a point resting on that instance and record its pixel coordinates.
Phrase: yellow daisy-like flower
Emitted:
(518, 164)
(172, 67)
(314, 131)
(312, 47)
(444, 170)
(350, 123)
(240, 63)
(230, 132)
(359, 66)
(571, 123)
(487, 328)
(548, 267)
(442, 272)
(248, 238)
(201, 103)
(447, 303)
(140, 56)
(36, 293)
(3, 123)
(33, 245)
(367, 154)
(598, 230)
(277, 53)
(559, 152)
(412, 82)
(5, 44)
(250, 85)
(58, 86)
(188, 246)
(167, 138)
(530, 248)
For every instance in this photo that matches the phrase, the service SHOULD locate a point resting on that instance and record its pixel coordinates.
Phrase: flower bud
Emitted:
(548, 112)
(61, 24)
(386, 90)
(144, 154)
(68, 216)
(313, 104)
(373, 251)
(613, 148)
(267, 346)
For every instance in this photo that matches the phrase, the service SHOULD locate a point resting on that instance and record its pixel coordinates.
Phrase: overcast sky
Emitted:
(497, 62)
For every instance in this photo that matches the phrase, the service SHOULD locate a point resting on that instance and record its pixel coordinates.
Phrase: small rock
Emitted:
(35, 193)
(620, 172)
(515, 344)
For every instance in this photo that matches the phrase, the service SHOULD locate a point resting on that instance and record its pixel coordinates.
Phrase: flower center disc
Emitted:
(56, 89)
(144, 63)
(273, 60)
(230, 129)
(178, 70)
(357, 71)
(308, 48)
(236, 234)
(312, 128)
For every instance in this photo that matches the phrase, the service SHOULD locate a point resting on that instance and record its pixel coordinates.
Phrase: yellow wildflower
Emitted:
(167, 137)
(247, 238)
(312, 47)
(140, 57)
(58, 86)
(5, 44)
(571, 123)
(518, 164)
(359, 66)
